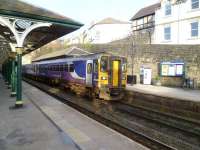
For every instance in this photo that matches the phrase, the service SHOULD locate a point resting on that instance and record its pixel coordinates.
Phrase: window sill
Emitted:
(193, 10)
(167, 16)
(167, 41)
(194, 38)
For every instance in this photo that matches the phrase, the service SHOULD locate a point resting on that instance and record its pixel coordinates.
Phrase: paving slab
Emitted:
(87, 133)
(28, 128)
(177, 93)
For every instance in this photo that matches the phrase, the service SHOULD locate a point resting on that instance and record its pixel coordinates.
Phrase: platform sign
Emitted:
(172, 69)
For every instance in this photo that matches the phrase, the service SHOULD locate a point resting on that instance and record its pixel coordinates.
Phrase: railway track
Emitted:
(142, 125)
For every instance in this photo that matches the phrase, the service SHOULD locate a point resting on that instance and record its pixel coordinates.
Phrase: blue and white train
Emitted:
(99, 75)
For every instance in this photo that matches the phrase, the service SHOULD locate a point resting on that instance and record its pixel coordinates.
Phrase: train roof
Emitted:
(73, 51)
(74, 58)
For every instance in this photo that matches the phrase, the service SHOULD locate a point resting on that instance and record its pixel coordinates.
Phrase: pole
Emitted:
(13, 76)
(19, 102)
(9, 73)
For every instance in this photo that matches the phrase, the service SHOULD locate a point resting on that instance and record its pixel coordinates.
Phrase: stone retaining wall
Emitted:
(151, 55)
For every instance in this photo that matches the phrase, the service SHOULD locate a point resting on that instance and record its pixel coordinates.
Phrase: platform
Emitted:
(176, 93)
(47, 124)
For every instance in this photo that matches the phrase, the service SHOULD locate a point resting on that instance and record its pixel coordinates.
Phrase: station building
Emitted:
(169, 22)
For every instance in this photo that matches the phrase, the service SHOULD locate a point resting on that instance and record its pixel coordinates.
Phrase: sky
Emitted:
(86, 11)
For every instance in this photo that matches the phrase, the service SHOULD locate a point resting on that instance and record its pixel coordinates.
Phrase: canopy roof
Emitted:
(18, 8)
(22, 15)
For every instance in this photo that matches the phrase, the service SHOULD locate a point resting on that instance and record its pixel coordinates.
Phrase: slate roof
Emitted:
(146, 11)
(110, 20)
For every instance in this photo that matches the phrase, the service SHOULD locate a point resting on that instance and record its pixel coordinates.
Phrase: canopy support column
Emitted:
(13, 76)
(19, 102)
(9, 72)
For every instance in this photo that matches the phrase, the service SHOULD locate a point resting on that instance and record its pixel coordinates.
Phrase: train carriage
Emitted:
(101, 75)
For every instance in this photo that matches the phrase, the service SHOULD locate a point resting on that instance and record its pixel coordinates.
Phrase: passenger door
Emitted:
(89, 70)
(115, 73)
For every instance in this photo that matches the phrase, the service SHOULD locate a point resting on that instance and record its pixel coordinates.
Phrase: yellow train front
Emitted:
(112, 72)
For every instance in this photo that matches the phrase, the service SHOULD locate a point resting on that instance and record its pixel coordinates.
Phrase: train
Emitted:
(101, 75)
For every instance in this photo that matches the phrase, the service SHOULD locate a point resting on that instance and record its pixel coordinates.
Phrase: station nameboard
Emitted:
(173, 69)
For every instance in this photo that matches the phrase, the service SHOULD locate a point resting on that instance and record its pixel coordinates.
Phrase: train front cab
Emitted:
(112, 77)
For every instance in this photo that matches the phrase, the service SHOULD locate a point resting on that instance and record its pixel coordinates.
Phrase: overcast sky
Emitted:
(86, 11)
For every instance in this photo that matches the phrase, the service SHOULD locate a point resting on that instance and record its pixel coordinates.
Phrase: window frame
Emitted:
(168, 9)
(95, 66)
(66, 67)
(71, 66)
(196, 29)
(167, 34)
(194, 2)
(91, 68)
(106, 70)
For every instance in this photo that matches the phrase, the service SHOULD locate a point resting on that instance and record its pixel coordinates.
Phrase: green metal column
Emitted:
(3, 70)
(13, 76)
(19, 102)
(9, 72)
(6, 72)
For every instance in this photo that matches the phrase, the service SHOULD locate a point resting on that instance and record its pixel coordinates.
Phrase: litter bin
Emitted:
(131, 79)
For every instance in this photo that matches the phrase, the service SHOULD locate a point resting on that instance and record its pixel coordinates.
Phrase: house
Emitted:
(101, 32)
(108, 30)
(177, 22)
(143, 22)
(144, 18)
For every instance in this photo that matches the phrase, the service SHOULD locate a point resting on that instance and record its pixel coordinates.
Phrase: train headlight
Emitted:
(103, 78)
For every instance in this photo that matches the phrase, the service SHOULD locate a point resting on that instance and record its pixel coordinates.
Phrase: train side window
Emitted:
(56, 68)
(71, 68)
(61, 67)
(95, 66)
(104, 64)
(124, 67)
(66, 67)
(89, 68)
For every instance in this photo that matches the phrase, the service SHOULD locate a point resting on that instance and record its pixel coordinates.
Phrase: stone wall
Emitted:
(151, 55)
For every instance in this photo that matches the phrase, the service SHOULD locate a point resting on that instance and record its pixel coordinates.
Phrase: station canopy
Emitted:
(41, 26)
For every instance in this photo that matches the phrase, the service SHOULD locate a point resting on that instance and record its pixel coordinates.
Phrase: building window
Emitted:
(167, 33)
(195, 4)
(194, 29)
(168, 9)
